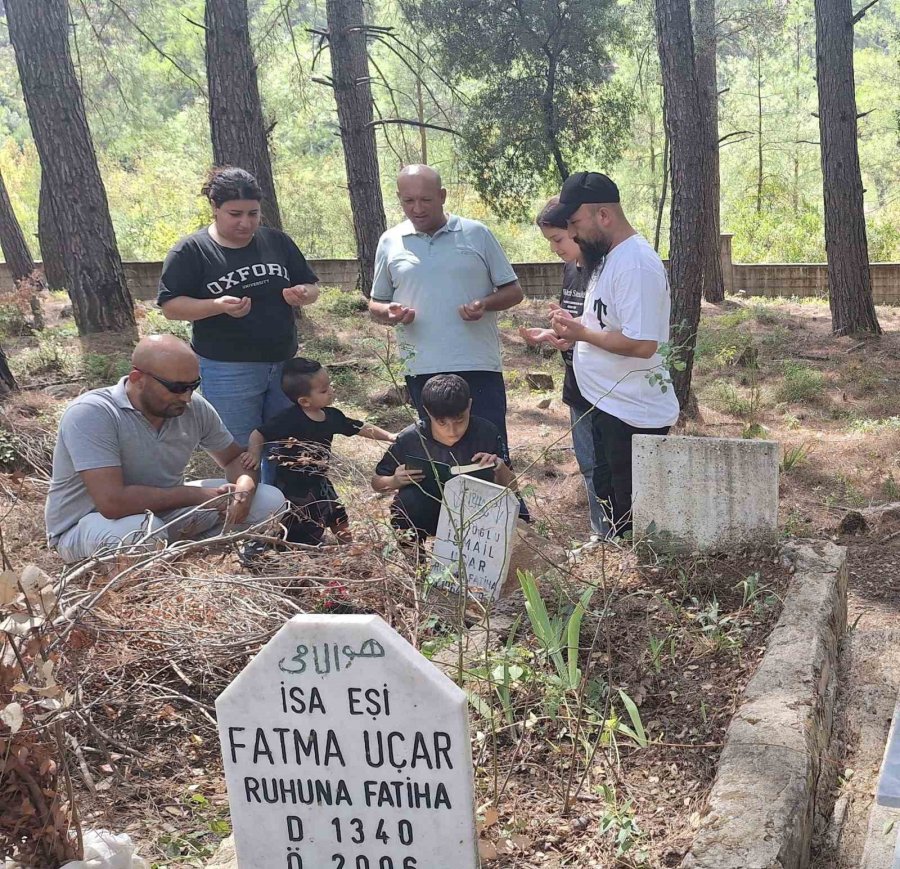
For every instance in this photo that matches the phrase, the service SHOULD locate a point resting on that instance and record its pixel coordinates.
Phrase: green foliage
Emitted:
(155, 323)
(49, 357)
(556, 634)
(617, 821)
(12, 321)
(148, 118)
(794, 457)
(542, 93)
(800, 383)
(9, 451)
(102, 369)
(341, 304)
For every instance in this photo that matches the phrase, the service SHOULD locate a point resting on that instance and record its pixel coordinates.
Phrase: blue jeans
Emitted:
(245, 395)
(583, 441)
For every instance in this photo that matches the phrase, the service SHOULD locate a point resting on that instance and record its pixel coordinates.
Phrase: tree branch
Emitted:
(735, 133)
(159, 51)
(412, 123)
(859, 15)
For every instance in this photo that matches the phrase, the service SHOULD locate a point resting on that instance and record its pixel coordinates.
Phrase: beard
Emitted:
(593, 252)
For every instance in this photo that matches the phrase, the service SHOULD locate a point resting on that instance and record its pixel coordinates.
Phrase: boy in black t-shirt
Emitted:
(300, 447)
(451, 436)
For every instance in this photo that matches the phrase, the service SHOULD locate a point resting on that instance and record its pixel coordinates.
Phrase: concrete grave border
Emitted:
(760, 811)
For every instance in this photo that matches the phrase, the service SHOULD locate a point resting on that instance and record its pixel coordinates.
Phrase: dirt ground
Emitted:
(680, 636)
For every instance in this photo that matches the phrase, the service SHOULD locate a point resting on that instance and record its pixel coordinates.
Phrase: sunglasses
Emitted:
(178, 387)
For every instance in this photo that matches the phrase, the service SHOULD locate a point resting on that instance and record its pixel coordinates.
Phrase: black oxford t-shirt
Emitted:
(201, 268)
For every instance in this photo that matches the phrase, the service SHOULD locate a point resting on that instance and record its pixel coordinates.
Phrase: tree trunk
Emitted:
(353, 96)
(12, 239)
(96, 280)
(708, 90)
(759, 131)
(664, 189)
(681, 105)
(238, 131)
(50, 241)
(849, 278)
(7, 381)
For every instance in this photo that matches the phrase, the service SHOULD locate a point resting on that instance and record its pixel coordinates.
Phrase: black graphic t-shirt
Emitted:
(571, 299)
(301, 447)
(200, 268)
(415, 441)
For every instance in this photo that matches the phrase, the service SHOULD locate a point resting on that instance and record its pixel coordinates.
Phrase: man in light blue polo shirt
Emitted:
(440, 279)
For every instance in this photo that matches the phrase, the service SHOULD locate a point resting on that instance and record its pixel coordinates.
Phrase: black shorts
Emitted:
(313, 512)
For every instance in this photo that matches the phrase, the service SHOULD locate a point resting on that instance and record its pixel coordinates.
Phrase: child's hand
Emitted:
(404, 476)
(533, 337)
(249, 462)
(392, 438)
(486, 460)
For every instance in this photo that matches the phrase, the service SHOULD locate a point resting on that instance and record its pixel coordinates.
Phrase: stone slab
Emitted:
(882, 847)
(888, 793)
(760, 811)
(475, 537)
(344, 748)
(705, 493)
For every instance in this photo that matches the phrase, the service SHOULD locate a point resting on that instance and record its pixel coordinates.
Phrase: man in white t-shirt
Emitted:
(617, 338)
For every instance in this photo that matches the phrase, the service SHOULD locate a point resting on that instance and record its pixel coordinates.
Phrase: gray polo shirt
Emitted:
(435, 274)
(102, 429)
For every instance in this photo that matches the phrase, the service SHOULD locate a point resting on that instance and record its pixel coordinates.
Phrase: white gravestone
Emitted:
(344, 748)
(474, 539)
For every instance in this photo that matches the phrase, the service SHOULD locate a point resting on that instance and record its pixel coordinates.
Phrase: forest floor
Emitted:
(680, 637)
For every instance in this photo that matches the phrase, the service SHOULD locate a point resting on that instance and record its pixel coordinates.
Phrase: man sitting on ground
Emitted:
(121, 452)
(451, 436)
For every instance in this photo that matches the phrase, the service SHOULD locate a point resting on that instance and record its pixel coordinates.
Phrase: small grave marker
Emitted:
(344, 748)
(475, 537)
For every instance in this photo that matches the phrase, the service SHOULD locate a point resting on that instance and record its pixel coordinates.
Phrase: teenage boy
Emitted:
(617, 338)
(300, 447)
(450, 435)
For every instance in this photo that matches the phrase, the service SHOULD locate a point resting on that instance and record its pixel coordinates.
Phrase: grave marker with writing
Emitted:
(474, 537)
(344, 748)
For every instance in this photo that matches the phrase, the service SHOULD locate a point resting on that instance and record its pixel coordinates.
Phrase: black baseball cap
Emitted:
(580, 188)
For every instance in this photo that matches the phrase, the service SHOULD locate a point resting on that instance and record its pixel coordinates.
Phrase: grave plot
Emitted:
(679, 636)
(596, 713)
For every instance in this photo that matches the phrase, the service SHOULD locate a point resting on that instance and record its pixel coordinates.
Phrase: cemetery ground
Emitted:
(601, 757)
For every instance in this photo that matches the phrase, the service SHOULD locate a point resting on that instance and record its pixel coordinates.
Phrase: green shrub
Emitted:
(342, 304)
(100, 369)
(12, 322)
(800, 383)
(155, 323)
(49, 357)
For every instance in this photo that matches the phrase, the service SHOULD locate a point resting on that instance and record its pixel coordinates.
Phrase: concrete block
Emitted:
(760, 811)
(705, 493)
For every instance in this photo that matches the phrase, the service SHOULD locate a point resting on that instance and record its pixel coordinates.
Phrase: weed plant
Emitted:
(800, 384)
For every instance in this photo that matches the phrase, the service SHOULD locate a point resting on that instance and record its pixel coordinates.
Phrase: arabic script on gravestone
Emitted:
(355, 841)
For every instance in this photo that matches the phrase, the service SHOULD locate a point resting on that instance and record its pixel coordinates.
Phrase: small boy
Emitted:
(452, 436)
(300, 440)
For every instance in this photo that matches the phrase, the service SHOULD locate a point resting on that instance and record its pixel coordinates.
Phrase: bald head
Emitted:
(162, 368)
(420, 171)
(159, 353)
(422, 197)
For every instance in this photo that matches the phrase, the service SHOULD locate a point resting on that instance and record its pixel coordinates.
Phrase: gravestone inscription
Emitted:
(474, 540)
(344, 748)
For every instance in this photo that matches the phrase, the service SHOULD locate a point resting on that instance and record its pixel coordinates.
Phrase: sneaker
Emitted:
(251, 553)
